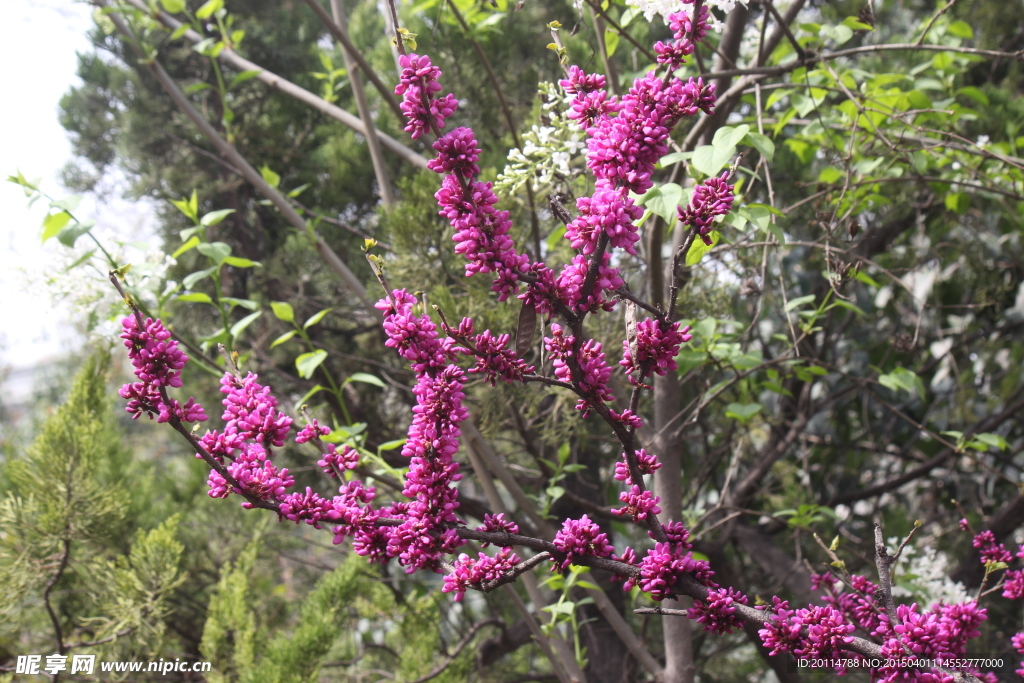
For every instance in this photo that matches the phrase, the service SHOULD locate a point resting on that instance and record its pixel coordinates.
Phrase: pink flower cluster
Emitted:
(717, 612)
(624, 149)
(250, 411)
(661, 567)
(433, 436)
(647, 463)
(595, 370)
(580, 538)
(656, 347)
(417, 85)
(609, 212)
(639, 504)
(990, 549)
(493, 359)
(467, 572)
(686, 30)
(571, 281)
(256, 474)
(712, 198)
(158, 363)
(818, 632)
(592, 102)
(481, 231)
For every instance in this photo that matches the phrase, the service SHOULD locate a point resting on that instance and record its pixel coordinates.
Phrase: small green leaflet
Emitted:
(365, 378)
(192, 242)
(215, 217)
(699, 248)
(240, 326)
(283, 311)
(54, 223)
(307, 363)
(283, 338)
(742, 411)
(902, 379)
(70, 234)
(192, 278)
(315, 318)
(196, 298)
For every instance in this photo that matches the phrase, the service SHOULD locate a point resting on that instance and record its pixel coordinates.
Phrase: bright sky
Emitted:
(39, 53)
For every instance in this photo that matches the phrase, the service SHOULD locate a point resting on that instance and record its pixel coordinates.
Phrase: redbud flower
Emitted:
(579, 538)
(467, 572)
(497, 362)
(646, 462)
(346, 459)
(155, 356)
(990, 549)
(418, 83)
(639, 504)
(717, 612)
(713, 198)
(608, 211)
(457, 152)
(249, 410)
(312, 430)
(656, 346)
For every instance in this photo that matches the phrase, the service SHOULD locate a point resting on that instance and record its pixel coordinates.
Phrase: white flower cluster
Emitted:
(78, 279)
(550, 151)
(926, 576)
(666, 7)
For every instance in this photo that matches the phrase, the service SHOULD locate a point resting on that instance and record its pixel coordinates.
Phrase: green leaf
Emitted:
(903, 379)
(856, 24)
(958, 202)
(710, 159)
(762, 143)
(554, 492)
(664, 201)
(993, 440)
(975, 94)
(70, 234)
(54, 223)
(215, 251)
(239, 262)
(848, 306)
(365, 379)
(197, 87)
(207, 10)
(699, 248)
(688, 360)
(611, 41)
(283, 311)
(335, 436)
(830, 174)
(315, 318)
(742, 411)
(674, 157)
(730, 136)
(244, 76)
(69, 204)
(283, 338)
(190, 244)
(173, 6)
(307, 363)
(196, 298)
(960, 29)
(189, 207)
(269, 176)
(240, 326)
(299, 190)
(391, 445)
(190, 280)
(564, 451)
(244, 303)
(215, 217)
(799, 301)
